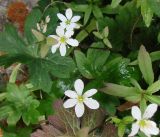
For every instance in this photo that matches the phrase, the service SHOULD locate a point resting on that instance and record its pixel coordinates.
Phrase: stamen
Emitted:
(142, 123)
(63, 40)
(68, 22)
(80, 99)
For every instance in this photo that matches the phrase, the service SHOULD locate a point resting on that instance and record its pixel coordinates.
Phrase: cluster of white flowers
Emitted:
(78, 99)
(65, 32)
(143, 123)
(42, 26)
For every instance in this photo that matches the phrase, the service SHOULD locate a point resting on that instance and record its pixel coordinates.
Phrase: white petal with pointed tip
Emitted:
(69, 14)
(72, 42)
(69, 33)
(63, 25)
(70, 103)
(79, 109)
(79, 86)
(90, 93)
(60, 31)
(135, 129)
(62, 49)
(75, 19)
(61, 17)
(70, 93)
(54, 48)
(91, 103)
(136, 112)
(150, 111)
(54, 37)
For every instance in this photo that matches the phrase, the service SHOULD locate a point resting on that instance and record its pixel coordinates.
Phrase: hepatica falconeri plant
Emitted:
(85, 68)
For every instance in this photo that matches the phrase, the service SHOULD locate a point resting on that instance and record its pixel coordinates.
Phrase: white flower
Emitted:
(63, 38)
(69, 21)
(78, 99)
(143, 123)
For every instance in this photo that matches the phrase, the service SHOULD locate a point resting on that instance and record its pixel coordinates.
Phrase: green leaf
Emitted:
(116, 120)
(107, 43)
(83, 64)
(84, 33)
(121, 129)
(136, 84)
(97, 57)
(14, 117)
(146, 12)
(154, 87)
(115, 3)
(2, 96)
(154, 57)
(31, 23)
(87, 14)
(145, 65)
(134, 98)
(14, 73)
(98, 35)
(153, 99)
(105, 32)
(154, 5)
(31, 116)
(10, 41)
(119, 90)
(128, 119)
(39, 76)
(5, 111)
(97, 12)
(77, 7)
(14, 93)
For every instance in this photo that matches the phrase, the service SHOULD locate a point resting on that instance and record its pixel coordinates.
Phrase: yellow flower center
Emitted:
(68, 22)
(63, 39)
(80, 99)
(142, 123)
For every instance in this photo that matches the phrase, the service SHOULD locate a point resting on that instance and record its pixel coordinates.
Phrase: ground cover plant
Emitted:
(71, 68)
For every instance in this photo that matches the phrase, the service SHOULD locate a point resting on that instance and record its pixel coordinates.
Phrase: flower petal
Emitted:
(91, 103)
(60, 31)
(69, 33)
(136, 112)
(79, 86)
(75, 19)
(71, 94)
(70, 103)
(63, 25)
(61, 17)
(62, 49)
(150, 111)
(135, 128)
(79, 109)
(54, 48)
(69, 14)
(150, 128)
(71, 26)
(73, 42)
(90, 93)
(54, 37)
